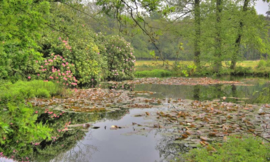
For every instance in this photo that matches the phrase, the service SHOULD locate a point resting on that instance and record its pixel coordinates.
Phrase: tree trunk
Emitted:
(197, 50)
(239, 37)
(218, 46)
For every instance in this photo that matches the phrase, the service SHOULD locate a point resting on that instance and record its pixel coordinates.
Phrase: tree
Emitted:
(218, 38)
(240, 33)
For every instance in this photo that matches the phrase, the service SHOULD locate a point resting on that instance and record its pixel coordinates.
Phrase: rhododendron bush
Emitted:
(56, 68)
(82, 52)
(120, 58)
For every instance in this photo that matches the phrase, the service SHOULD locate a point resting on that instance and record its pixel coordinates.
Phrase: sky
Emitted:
(261, 7)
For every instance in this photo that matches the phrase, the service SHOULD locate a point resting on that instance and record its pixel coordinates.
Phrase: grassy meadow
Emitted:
(152, 68)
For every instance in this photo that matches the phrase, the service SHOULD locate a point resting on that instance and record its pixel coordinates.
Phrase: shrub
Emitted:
(22, 90)
(80, 51)
(244, 149)
(120, 59)
(56, 68)
(19, 30)
(43, 93)
(153, 73)
(263, 64)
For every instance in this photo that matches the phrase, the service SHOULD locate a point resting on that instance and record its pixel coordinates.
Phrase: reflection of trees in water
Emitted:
(116, 115)
(51, 149)
(82, 152)
(257, 93)
(168, 148)
(67, 147)
(196, 92)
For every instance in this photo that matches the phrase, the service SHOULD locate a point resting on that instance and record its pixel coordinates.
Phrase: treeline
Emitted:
(210, 31)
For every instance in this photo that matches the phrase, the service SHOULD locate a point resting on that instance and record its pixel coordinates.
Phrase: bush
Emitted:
(57, 69)
(120, 59)
(22, 90)
(263, 64)
(43, 93)
(246, 149)
(19, 31)
(80, 51)
(153, 73)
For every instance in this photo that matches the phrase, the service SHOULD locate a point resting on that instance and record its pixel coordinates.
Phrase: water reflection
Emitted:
(132, 142)
(257, 93)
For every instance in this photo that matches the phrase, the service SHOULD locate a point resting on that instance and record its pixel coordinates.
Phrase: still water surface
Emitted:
(136, 143)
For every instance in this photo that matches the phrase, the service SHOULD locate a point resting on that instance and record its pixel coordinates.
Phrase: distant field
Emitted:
(148, 64)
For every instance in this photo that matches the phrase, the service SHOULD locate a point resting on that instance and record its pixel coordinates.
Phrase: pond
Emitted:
(150, 119)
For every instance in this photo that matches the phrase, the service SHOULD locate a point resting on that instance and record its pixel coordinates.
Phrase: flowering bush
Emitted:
(82, 52)
(120, 58)
(56, 68)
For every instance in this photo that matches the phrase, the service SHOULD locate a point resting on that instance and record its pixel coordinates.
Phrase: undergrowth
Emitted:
(236, 149)
(154, 73)
(22, 90)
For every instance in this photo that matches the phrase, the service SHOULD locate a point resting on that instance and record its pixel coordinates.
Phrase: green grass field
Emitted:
(159, 64)
(151, 68)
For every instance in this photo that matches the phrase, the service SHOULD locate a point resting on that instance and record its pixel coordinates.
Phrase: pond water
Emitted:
(141, 133)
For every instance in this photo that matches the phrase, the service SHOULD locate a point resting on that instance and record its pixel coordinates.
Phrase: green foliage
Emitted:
(263, 64)
(22, 90)
(21, 22)
(72, 40)
(154, 73)
(18, 130)
(120, 58)
(246, 149)
(57, 69)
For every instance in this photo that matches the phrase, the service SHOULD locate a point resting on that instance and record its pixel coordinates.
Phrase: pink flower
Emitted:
(29, 77)
(37, 74)
(36, 112)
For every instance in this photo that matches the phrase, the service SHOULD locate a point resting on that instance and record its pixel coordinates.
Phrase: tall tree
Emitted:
(218, 38)
(239, 37)
(197, 50)
(237, 44)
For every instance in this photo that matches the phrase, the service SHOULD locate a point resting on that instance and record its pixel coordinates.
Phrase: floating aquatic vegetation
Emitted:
(100, 100)
(180, 81)
(204, 122)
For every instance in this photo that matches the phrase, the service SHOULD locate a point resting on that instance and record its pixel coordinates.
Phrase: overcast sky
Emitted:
(261, 7)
